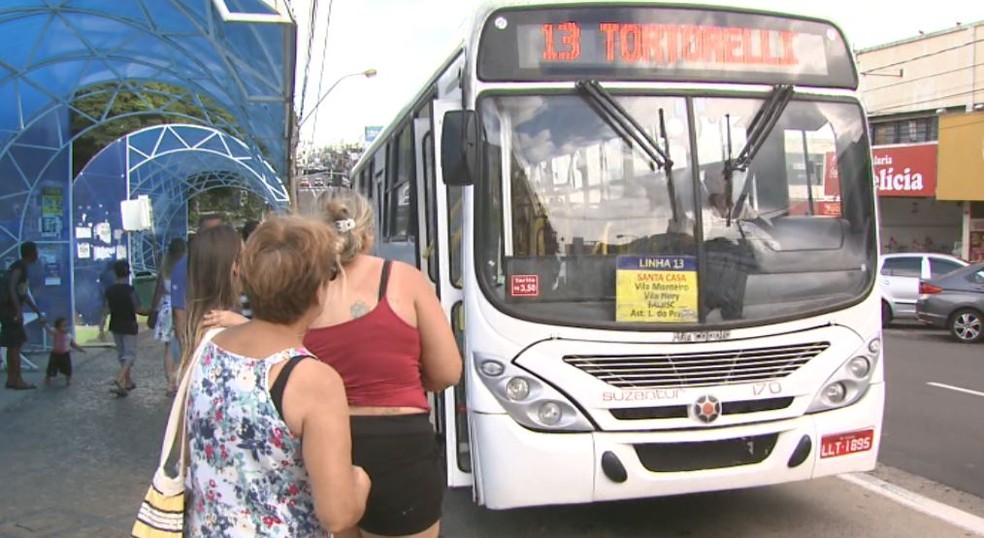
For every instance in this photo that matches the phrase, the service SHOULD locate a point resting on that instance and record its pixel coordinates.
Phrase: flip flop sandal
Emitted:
(22, 386)
(119, 391)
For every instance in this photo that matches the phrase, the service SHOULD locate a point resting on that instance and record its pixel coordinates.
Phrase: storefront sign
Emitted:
(900, 171)
(661, 289)
(905, 170)
(961, 157)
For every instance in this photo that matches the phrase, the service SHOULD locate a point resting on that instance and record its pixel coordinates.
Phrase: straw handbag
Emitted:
(162, 513)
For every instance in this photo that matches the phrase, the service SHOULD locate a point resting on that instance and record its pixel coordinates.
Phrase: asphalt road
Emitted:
(929, 430)
(76, 463)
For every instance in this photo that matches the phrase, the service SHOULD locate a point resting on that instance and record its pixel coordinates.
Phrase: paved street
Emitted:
(77, 461)
(933, 431)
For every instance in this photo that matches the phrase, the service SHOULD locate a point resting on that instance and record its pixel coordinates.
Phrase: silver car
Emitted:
(955, 302)
(899, 277)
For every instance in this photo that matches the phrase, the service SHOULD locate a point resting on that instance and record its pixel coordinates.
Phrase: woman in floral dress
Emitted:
(267, 425)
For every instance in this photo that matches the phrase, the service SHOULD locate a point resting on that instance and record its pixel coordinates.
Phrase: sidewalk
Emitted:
(78, 460)
(10, 399)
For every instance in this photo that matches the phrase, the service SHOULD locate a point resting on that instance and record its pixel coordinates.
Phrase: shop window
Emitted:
(977, 210)
(884, 134)
(911, 131)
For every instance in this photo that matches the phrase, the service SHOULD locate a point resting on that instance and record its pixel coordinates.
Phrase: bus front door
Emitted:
(440, 214)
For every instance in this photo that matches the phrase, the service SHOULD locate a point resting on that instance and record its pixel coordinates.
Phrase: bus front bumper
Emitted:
(518, 467)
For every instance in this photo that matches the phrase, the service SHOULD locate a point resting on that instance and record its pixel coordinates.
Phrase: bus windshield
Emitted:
(578, 226)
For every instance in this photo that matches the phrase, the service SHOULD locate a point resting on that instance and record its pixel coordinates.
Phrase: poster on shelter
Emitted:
(51, 201)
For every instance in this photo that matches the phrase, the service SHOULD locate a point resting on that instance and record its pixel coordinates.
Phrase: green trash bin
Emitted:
(144, 283)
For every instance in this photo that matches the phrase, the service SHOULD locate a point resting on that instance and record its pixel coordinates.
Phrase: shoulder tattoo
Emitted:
(358, 309)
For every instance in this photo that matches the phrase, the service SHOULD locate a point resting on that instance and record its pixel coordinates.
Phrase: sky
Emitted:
(406, 40)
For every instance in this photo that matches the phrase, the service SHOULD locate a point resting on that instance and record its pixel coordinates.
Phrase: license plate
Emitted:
(843, 444)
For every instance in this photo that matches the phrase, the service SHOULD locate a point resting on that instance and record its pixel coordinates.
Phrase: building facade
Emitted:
(925, 102)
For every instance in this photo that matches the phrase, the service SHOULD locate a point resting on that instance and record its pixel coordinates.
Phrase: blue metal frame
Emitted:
(235, 55)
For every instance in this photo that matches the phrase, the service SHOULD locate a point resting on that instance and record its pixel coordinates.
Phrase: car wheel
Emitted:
(967, 325)
(886, 314)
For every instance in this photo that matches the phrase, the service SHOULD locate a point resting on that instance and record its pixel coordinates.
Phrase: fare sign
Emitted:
(661, 289)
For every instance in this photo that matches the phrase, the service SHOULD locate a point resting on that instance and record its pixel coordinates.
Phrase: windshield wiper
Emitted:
(628, 128)
(762, 123)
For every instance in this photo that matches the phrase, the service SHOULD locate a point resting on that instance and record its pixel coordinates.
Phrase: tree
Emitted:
(235, 204)
(136, 106)
(335, 161)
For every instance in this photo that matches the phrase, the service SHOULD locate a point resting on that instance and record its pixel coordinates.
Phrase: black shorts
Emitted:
(12, 333)
(59, 363)
(402, 457)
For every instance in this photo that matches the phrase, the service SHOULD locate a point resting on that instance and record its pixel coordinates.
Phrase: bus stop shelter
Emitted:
(222, 68)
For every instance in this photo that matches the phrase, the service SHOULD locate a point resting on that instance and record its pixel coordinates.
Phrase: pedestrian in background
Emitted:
(124, 305)
(60, 358)
(179, 282)
(14, 294)
(164, 327)
(106, 279)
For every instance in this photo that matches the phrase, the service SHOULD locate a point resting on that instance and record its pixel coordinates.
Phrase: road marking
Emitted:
(954, 516)
(958, 389)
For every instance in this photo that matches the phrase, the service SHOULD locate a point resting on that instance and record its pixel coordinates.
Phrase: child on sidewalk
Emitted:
(124, 305)
(60, 359)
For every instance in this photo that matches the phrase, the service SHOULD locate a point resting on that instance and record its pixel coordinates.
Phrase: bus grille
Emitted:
(701, 456)
(678, 370)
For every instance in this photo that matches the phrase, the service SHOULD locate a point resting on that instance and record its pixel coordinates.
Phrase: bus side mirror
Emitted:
(459, 148)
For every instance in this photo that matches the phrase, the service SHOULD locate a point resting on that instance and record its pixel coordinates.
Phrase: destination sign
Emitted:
(654, 43)
(660, 289)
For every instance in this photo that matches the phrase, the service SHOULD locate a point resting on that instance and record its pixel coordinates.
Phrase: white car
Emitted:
(898, 279)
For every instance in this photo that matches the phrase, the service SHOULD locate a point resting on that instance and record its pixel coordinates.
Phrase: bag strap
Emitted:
(175, 419)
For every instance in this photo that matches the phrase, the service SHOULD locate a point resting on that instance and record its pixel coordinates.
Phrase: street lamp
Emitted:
(368, 73)
(295, 130)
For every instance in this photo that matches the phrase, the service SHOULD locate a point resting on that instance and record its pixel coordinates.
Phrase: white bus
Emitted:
(654, 230)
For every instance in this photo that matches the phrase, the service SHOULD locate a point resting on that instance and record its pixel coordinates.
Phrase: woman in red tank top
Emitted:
(384, 330)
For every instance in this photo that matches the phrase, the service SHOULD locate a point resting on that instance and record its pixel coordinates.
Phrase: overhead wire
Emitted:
(922, 56)
(924, 77)
(321, 74)
(313, 13)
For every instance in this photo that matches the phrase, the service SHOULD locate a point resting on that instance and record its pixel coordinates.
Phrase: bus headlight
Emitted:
(850, 382)
(528, 400)
(491, 368)
(835, 392)
(550, 413)
(860, 367)
(517, 389)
